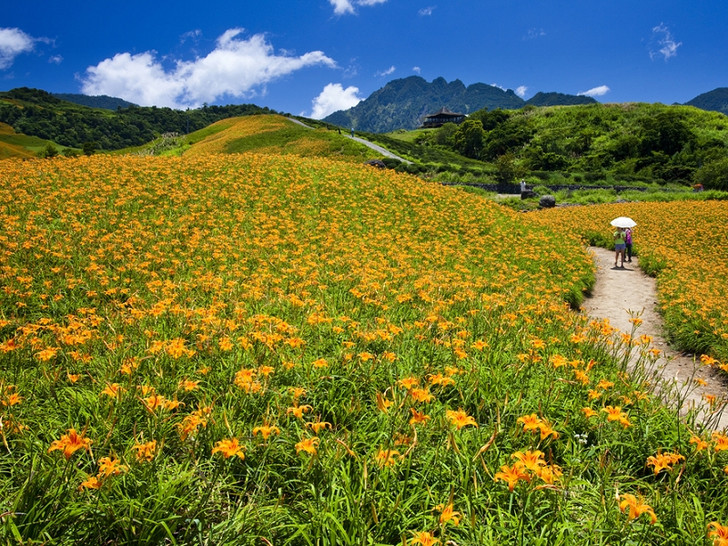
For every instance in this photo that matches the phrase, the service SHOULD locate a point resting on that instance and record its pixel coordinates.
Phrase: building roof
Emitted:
(444, 112)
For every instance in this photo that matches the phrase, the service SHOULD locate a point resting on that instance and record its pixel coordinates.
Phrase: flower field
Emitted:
(273, 350)
(271, 134)
(683, 243)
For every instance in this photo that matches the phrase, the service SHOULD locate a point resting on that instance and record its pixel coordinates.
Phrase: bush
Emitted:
(713, 175)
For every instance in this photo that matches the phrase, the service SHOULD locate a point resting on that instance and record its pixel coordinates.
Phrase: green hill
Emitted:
(558, 99)
(98, 101)
(716, 100)
(579, 144)
(651, 142)
(13, 144)
(263, 134)
(37, 113)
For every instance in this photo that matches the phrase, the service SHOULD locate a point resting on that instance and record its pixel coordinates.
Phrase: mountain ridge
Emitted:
(403, 103)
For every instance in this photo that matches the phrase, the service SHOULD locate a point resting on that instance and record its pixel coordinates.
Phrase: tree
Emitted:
(49, 151)
(506, 169)
(444, 135)
(713, 175)
(89, 148)
(468, 140)
(666, 132)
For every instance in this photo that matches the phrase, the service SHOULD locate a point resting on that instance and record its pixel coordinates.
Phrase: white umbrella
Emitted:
(623, 222)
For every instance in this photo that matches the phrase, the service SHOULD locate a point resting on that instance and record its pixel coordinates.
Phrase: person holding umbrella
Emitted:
(620, 238)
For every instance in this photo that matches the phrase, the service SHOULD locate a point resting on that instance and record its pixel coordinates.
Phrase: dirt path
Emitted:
(620, 294)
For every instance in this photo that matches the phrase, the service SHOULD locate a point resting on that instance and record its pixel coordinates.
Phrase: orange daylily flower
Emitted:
(719, 533)
(424, 538)
(229, 448)
(635, 508)
(266, 430)
(70, 443)
(512, 475)
(308, 445)
(448, 514)
(460, 419)
(664, 461)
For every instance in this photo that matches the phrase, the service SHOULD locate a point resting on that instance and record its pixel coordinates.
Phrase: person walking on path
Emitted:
(619, 246)
(628, 243)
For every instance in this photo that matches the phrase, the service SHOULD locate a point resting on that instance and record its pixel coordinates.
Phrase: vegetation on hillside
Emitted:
(644, 142)
(236, 349)
(266, 134)
(38, 113)
(13, 144)
(95, 101)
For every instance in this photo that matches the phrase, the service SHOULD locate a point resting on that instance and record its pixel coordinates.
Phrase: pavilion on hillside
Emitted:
(441, 117)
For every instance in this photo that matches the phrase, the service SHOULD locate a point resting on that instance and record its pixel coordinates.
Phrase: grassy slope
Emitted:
(270, 134)
(13, 144)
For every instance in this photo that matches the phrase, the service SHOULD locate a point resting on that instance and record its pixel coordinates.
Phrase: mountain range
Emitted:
(403, 103)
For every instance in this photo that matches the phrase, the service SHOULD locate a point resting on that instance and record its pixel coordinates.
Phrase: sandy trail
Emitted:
(620, 294)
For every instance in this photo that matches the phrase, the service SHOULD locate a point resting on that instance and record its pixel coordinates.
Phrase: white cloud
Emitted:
(499, 86)
(416, 69)
(55, 59)
(13, 42)
(521, 90)
(534, 33)
(191, 35)
(333, 98)
(424, 12)
(235, 67)
(662, 43)
(388, 72)
(342, 7)
(596, 91)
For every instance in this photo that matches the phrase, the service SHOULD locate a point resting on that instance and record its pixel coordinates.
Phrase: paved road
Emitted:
(375, 147)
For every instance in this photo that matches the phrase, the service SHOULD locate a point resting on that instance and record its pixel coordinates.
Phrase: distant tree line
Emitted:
(50, 118)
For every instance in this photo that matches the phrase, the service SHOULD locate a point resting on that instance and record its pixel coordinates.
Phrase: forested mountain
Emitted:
(37, 113)
(97, 101)
(403, 103)
(716, 100)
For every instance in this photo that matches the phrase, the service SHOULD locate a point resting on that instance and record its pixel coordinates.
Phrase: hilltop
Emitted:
(96, 101)
(716, 100)
(261, 133)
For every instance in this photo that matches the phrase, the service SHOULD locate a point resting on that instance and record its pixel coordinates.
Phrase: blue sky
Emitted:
(313, 57)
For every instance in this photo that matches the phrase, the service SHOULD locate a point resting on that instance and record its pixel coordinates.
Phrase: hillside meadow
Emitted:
(263, 134)
(248, 349)
(16, 145)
